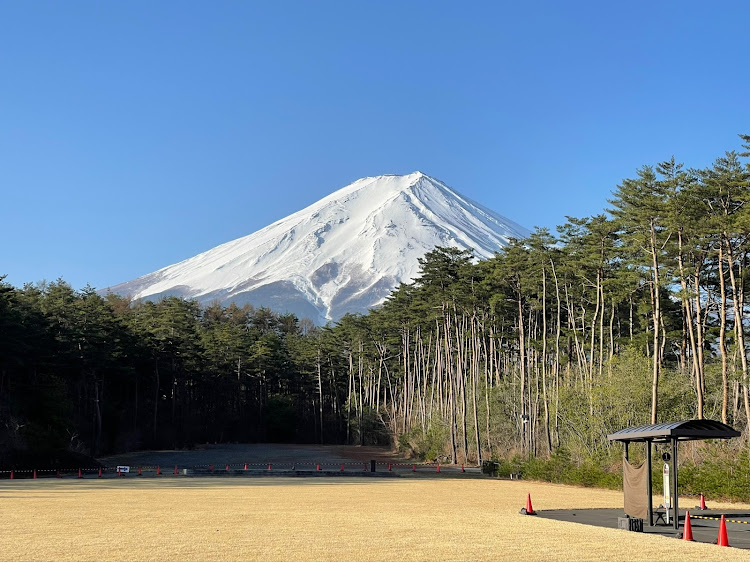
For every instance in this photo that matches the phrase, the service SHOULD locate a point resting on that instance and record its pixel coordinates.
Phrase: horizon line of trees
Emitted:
(629, 317)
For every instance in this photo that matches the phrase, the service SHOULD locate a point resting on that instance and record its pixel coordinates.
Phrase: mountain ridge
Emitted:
(343, 253)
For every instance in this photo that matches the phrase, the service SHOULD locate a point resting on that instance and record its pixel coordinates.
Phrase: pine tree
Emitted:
(640, 207)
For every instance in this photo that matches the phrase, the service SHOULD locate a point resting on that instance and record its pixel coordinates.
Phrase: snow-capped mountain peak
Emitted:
(344, 253)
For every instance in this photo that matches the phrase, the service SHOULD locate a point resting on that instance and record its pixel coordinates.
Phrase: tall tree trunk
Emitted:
(656, 302)
(699, 329)
(738, 301)
(688, 310)
(156, 398)
(745, 382)
(349, 400)
(320, 394)
(722, 337)
(597, 318)
(98, 409)
(475, 387)
(558, 331)
(525, 432)
(451, 385)
(361, 403)
(547, 430)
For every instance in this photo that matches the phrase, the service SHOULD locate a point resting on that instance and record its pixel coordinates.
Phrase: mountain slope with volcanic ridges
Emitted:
(343, 254)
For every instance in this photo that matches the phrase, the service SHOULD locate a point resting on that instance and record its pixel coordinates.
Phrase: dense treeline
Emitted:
(100, 374)
(630, 317)
(626, 318)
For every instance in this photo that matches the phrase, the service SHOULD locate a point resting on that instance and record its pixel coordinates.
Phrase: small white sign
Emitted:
(667, 495)
(123, 469)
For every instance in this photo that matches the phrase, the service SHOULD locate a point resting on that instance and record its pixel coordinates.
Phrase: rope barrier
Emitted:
(238, 466)
(719, 519)
(360, 466)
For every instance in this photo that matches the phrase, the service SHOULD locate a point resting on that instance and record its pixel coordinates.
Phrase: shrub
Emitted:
(427, 447)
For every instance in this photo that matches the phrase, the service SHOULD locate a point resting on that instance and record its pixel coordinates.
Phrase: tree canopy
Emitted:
(632, 316)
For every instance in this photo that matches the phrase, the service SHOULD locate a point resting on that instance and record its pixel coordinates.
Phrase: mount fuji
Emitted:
(343, 254)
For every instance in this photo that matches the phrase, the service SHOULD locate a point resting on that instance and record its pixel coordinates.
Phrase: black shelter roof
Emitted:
(686, 430)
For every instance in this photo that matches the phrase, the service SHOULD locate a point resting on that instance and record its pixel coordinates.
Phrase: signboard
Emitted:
(123, 469)
(667, 495)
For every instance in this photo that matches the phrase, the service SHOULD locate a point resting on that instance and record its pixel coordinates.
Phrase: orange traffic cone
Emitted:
(158, 470)
(687, 533)
(722, 539)
(703, 503)
(528, 510)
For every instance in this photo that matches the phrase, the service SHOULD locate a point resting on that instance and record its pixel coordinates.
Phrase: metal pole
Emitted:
(674, 484)
(627, 458)
(649, 491)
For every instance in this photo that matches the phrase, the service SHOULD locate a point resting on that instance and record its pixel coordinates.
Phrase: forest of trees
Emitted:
(630, 317)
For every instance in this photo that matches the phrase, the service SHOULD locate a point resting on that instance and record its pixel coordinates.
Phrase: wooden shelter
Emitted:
(672, 432)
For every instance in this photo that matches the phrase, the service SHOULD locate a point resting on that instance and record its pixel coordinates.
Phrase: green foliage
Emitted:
(490, 468)
(721, 474)
(428, 446)
(529, 358)
(510, 467)
(559, 468)
(717, 470)
(368, 429)
(97, 375)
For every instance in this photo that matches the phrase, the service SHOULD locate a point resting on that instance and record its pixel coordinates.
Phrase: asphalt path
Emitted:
(280, 458)
(704, 524)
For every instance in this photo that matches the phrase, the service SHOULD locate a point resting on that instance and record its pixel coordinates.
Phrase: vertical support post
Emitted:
(649, 491)
(674, 484)
(627, 458)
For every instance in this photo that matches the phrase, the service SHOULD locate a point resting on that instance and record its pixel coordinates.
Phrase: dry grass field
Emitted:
(315, 519)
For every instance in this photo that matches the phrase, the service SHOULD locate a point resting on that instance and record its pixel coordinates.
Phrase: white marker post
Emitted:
(667, 495)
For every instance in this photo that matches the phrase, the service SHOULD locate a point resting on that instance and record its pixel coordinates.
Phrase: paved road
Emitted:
(704, 530)
(256, 454)
(281, 457)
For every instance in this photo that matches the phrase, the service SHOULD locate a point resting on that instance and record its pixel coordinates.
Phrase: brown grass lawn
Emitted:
(315, 519)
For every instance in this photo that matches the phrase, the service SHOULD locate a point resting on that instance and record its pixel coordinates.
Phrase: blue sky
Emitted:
(135, 134)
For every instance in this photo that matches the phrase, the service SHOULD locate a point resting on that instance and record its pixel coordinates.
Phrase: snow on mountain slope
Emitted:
(344, 253)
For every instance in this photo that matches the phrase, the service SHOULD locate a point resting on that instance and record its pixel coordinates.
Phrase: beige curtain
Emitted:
(634, 486)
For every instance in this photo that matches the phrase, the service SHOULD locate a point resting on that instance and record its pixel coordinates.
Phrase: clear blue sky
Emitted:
(136, 134)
